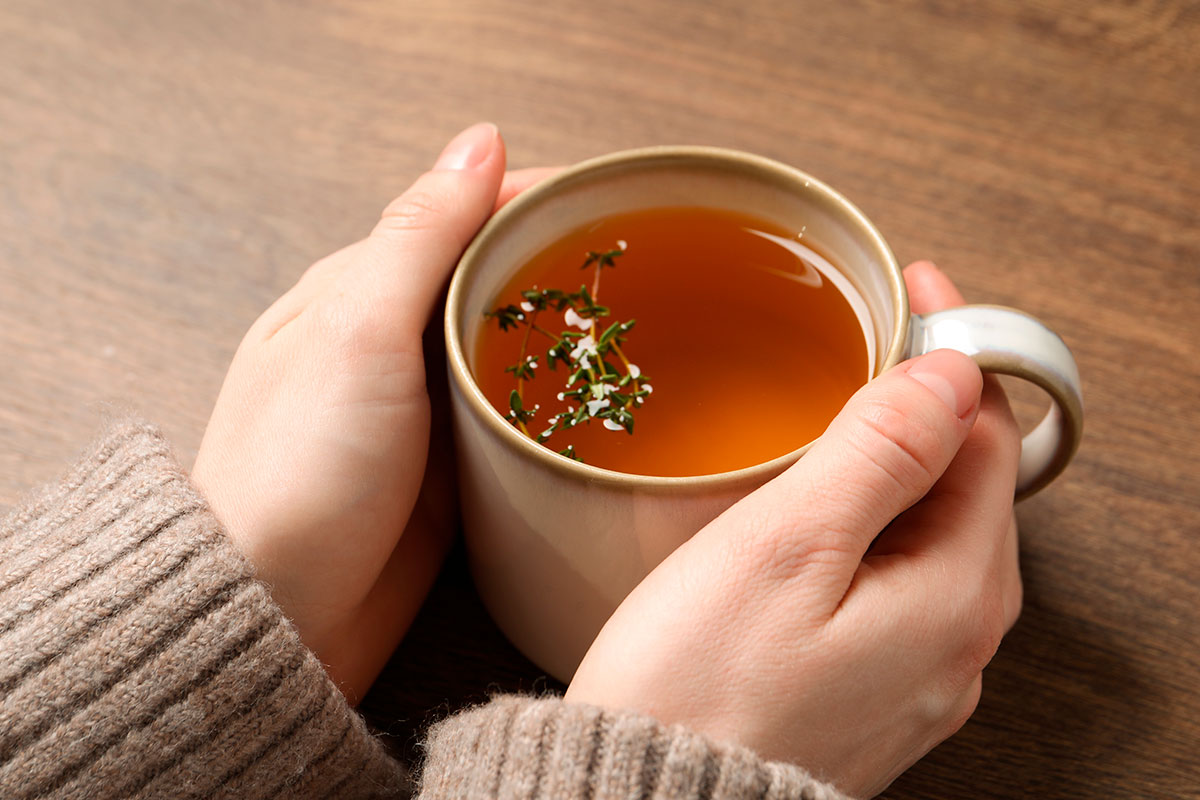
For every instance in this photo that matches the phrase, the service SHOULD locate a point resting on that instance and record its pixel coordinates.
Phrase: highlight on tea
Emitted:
(755, 341)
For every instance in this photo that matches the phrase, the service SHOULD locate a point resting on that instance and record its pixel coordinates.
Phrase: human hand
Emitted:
(315, 458)
(786, 626)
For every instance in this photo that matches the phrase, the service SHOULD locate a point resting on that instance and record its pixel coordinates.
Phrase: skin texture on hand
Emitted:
(318, 455)
(840, 617)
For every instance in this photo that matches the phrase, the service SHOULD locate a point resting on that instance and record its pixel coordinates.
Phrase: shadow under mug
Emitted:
(556, 545)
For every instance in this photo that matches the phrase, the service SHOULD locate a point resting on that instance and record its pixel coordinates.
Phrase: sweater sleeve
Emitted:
(522, 748)
(139, 657)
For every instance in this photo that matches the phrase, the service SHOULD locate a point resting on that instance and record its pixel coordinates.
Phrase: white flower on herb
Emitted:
(573, 319)
(594, 406)
(599, 390)
(613, 426)
(527, 306)
(584, 348)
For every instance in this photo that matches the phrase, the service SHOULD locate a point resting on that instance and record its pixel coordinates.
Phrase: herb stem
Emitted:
(595, 301)
(543, 331)
(616, 348)
(529, 326)
(596, 285)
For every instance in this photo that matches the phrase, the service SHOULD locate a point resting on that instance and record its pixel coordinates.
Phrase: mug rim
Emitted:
(496, 226)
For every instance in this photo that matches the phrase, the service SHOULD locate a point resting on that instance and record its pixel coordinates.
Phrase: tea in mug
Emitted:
(729, 343)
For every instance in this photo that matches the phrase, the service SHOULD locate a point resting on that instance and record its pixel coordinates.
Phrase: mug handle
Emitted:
(1011, 342)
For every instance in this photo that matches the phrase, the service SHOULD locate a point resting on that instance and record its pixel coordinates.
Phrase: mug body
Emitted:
(556, 545)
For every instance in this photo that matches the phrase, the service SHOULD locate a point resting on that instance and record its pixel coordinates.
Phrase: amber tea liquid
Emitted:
(749, 347)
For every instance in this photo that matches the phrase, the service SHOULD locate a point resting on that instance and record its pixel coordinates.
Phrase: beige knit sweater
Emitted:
(140, 658)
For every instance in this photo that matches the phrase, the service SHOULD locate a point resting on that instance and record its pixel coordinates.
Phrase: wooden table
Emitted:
(168, 168)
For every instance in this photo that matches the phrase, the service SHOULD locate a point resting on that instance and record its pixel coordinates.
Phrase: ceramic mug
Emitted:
(555, 545)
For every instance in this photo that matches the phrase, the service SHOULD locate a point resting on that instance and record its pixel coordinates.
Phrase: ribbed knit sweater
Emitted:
(139, 657)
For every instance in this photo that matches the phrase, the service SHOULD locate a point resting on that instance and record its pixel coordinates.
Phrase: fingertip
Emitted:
(952, 377)
(923, 265)
(471, 148)
(929, 289)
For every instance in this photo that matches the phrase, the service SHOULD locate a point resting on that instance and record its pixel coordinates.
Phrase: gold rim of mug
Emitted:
(789, 178)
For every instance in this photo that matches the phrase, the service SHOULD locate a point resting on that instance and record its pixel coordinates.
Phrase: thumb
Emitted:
(881, 454)
(403, 265)
(897, 435)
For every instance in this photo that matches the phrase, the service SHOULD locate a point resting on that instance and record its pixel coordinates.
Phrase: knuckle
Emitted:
(415, 210)
(964, 708)
(778, 550)
(969, 619)
(907, 448)
(1012, 586)
(945, 707)
(1015, 602)
(983, 623)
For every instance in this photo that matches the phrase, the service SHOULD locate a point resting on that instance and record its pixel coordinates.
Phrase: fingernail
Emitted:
(952, 376)
(470, 148)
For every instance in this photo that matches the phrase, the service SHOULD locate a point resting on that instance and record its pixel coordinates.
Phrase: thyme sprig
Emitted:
(601, 389)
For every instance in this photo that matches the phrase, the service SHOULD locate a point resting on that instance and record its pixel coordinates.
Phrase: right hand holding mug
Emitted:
(840, 616)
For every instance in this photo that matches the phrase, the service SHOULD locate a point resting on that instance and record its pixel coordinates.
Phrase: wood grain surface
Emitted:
(168, 168)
